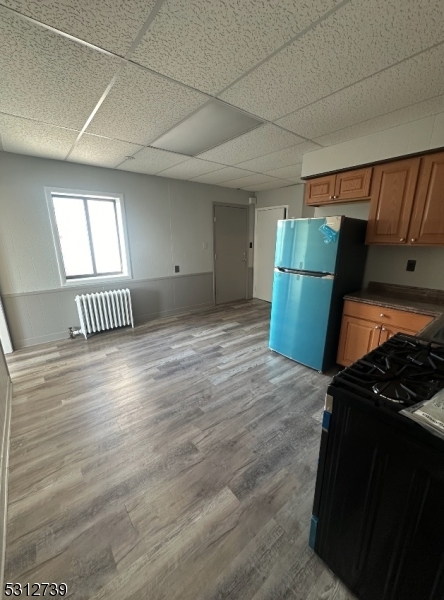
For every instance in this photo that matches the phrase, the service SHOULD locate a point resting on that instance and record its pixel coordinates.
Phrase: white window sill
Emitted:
(93, 281)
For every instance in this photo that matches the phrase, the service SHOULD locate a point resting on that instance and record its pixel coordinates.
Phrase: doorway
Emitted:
(230, 252)
(264, 249)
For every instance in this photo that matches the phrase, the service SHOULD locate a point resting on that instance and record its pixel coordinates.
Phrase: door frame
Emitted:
(286, 208)
(230, 205)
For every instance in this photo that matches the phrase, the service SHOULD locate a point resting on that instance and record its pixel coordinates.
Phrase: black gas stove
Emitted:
(377, 517)
(402, 372)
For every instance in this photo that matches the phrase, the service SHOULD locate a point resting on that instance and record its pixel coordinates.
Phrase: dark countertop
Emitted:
(404, 298)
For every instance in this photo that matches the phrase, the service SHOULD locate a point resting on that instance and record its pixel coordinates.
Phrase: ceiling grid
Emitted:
(124, 73)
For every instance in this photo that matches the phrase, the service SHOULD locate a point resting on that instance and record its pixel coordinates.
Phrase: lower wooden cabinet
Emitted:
(366, 326)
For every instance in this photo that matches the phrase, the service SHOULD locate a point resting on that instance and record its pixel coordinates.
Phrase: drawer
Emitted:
(387, 316)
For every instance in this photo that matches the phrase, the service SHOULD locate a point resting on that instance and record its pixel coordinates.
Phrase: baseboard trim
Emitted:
(139, 320)
(4, 473)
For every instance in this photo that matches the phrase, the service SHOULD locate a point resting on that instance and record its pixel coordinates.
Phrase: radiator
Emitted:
(105, 310)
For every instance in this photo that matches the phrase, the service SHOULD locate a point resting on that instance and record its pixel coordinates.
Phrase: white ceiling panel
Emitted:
(397, 87)
(358, 40)
(38, 139)
(141, 106)
(151, 161)
(208, 44)
(101, 152)
(193, 167)
(47, 77)
(292, 172)
(109, 24)
(279, 159)
(222, 175)
(263, 140)
(250, 180)
(392, 119)
(272, 185)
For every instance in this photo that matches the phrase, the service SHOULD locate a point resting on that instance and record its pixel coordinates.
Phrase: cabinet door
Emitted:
(320, 190)
(427, 225)
(357, 338)
(392, 194)
(352, 185)
(388, 332)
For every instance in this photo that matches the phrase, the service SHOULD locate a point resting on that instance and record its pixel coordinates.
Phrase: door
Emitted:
(301, 244)
(427, 225)
(357, 338)
(351, 185)
(299, 317)
(319, 190)
(230, 253)
(265, 248)
(393, 191)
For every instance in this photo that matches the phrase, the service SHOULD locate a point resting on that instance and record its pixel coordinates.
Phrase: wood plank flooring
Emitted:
(173, 461)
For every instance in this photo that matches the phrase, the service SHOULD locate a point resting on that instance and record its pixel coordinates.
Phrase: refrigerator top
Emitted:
(308, 244)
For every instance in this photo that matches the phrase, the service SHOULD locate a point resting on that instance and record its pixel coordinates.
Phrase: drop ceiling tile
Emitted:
(193, 167)
(279, 159)
(396, 88)
(358, 40)
(152, 160)
(109, 24)
(47, 77)
(102, 152)
(272, 185)
(222, 175)
(208, 44)
(292, 172)
(250, 180)
(392, 119)
(24, 136)
(263, 140)
(141, 106)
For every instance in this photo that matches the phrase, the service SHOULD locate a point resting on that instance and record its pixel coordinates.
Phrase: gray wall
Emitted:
(387, 263)
(293, 196)
(168, 222)
(4, 379)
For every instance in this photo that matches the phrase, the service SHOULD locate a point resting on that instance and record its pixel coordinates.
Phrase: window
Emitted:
(89, 235)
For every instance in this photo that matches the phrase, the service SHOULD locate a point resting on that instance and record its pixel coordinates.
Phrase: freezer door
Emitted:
(299, 317)
(302, 245)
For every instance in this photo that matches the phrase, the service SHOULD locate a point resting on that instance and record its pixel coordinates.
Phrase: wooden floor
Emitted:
(173, 461)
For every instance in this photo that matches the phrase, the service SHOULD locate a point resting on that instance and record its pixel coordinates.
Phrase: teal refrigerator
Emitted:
(317, 262)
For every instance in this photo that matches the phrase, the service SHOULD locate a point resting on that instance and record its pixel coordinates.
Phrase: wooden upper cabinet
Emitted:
(320, 190)
(341, 187)
(427, 224)
(392, 195)
(352, 185)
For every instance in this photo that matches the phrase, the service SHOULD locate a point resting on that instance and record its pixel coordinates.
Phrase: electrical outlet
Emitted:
(411, 265)
(176, 269)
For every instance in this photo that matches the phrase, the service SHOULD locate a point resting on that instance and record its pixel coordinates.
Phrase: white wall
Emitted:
(388, 263)
(168, 223)
(417, 136)
(293, 196)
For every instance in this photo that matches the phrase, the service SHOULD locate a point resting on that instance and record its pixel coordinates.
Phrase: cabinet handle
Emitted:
(331, 197)
(377, 327)
(383, 329)
(413, 240)
(401, 239)
(382, 315)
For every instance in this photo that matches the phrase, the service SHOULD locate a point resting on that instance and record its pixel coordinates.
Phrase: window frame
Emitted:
(119, 211)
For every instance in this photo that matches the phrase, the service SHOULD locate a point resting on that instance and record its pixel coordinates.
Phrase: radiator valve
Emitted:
(74, 332)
